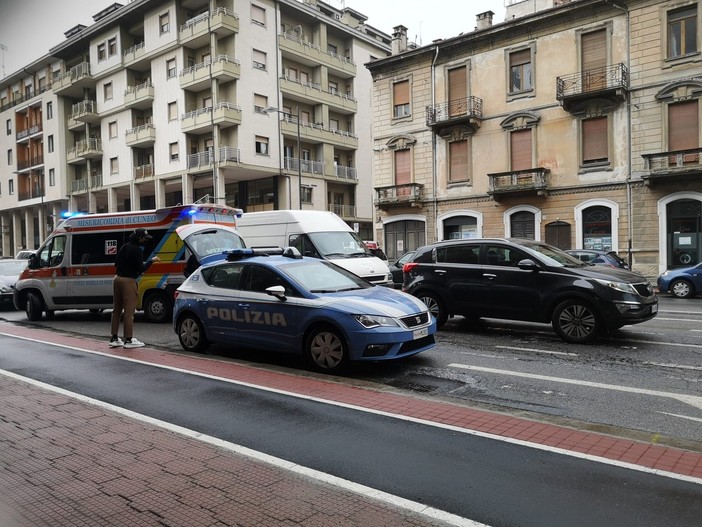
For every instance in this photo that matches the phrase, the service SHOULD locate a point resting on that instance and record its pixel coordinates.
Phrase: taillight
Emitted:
(406, 268)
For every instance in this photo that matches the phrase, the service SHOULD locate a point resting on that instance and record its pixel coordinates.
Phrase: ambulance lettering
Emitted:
(249, 317)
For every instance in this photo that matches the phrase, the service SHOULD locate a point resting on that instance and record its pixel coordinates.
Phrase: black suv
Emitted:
(527, 280)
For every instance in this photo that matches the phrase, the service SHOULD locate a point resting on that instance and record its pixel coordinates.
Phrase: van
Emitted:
(74, 267)
(320, 234)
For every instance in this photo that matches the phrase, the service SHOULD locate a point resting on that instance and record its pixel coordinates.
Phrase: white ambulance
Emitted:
(320, 234)
(74, 267)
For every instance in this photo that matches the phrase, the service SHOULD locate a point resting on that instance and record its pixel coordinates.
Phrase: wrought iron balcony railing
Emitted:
(592, 81)
(468, 107)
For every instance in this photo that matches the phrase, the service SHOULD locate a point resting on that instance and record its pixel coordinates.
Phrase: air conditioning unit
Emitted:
(337, 16)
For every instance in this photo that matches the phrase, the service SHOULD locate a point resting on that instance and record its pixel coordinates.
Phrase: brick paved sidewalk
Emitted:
(66, 462)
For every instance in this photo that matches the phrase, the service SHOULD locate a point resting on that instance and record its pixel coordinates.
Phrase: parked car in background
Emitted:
(683, 282)
(396, 268)
(10, 270)
(519, 279)
(266, 299)
(24, 254)
(376, 251)
(607, 258)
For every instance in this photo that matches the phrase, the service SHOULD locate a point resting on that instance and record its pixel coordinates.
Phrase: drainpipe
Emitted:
(433, 148)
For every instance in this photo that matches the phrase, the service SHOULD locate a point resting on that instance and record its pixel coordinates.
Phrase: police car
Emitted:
(274, 299)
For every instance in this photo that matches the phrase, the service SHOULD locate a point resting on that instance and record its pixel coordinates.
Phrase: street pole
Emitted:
(299, 158)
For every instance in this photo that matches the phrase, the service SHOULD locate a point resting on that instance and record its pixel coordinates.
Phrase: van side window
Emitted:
(302, 243)
(52, 253)
(98, 248)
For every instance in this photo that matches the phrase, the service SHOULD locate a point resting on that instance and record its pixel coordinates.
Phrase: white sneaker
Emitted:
(114, 343)
(133, 343)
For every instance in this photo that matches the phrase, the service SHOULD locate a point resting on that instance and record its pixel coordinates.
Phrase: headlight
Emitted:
(665, 273)
(619, 286)
(373, 321)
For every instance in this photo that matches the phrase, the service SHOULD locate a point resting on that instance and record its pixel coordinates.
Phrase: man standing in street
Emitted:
(129, 265)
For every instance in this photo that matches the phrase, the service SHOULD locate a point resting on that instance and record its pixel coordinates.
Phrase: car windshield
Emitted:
(11, 268)
(318, 276)
(214, 241)
(551, 256)
(339, 244)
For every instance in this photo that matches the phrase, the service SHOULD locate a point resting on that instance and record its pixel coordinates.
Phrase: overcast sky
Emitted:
(28, 28)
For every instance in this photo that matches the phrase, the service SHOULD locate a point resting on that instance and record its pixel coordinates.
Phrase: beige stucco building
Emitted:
(263, 104)
(572, 122)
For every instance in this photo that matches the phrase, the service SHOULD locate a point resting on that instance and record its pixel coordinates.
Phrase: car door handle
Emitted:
(439, 271)
(489, 276)
(244, 306)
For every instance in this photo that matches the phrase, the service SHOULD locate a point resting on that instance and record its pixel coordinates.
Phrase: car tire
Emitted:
(436, 307)
(34, 306)
(158, 307)
(576, 321)
(191, 334)
(682, 289)
(326, 350)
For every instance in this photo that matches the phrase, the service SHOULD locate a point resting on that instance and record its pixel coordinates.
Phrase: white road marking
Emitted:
(535, 350)
(674, 344)
(692, 400)
(676, 366)
(682, 416)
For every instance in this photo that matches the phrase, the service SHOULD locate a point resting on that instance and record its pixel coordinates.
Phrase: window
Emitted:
(682, 32)
(458, 91)
(164, 23)
(260, 103)
(683, 131)
(597, 228)
(594, 140)
(49, 110)
(333, 87)
(334, 124)
(258, 15)
(207, 102)
(171, 68)
(112, 46)
(173, 111)
(113, 129)
(11, 186)
(261, 145)
(520, 71)
(9, 156)
(50, 143)
(401, 99)
(593, 58)
(8, 125)
(403, 171)
(458, 161)
(114, 165)
(306, 195)
(107, 88)
(101, 52)
(52, 177)
(259, 60)
(520, 150)
(173, 149)
(332, 49)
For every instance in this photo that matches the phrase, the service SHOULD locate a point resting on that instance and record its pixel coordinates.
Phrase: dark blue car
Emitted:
(257, 299)
(683, 282)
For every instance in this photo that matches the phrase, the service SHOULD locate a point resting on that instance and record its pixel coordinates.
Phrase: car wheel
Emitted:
(191, 334)
(682, 288)
(436, 307)
(576, 321)
(325, 350)
(34, 306)
(158, 307)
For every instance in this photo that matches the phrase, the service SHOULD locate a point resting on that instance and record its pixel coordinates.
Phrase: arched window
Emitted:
(597, 228)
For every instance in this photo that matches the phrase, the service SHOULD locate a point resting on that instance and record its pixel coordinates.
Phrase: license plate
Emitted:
(419, 333)
(654, 308)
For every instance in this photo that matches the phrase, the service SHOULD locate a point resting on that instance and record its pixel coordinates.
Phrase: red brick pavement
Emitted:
(149, 476)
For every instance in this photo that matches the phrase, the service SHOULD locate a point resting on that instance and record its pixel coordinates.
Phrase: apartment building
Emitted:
(263, 104)
(572, 122)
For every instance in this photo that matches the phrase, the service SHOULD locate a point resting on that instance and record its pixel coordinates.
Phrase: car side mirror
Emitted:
(33, 261)
(277, 291)
(528, 265)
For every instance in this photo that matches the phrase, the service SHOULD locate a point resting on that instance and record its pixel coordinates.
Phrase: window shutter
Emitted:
(521, 150)
(401, 93)
(458, 91)
(594, 50)
(458, 154)
(595, 139)
(402, 167)
(683, 126)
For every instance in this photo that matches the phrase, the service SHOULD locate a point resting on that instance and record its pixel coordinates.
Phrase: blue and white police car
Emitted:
(276, 300)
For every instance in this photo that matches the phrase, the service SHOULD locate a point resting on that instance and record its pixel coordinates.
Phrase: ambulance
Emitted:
(74, 267)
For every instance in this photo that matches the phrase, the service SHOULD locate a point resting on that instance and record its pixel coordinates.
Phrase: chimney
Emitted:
(399, 40)
(484, 20)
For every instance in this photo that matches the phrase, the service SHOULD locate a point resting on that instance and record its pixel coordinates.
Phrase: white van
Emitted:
(314, 233)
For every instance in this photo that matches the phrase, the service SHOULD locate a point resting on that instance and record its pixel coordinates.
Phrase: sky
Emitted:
(25, 41)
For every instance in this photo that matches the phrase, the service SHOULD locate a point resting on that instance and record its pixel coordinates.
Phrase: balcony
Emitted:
(139, 97)
(144, 171)
(345, 212)
(224, 114)
(141, 136)
(25, 134)
(197, 78)
(317, 133)
(338, 101)
(674, 167)
(348, 173)
(84, 112)
(83, 150)
(312, 55)
(409, 194)
(30, 162)
(134, 55)
(306, 166)
(466, 112)
(79, 185)
(610, 83)
(519, 182)
(227, 156)
(73, 81)
(195, 33)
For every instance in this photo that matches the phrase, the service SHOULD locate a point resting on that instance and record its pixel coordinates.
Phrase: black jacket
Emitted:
(130, 261)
